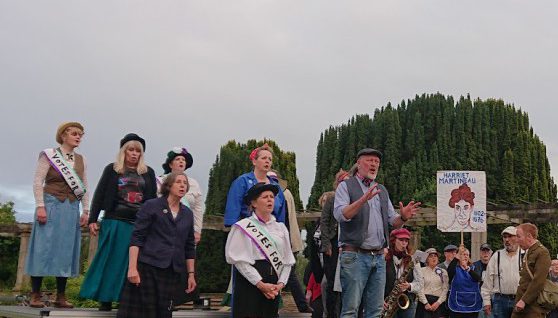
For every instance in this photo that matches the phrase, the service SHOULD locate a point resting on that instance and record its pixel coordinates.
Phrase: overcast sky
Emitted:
(199, 73)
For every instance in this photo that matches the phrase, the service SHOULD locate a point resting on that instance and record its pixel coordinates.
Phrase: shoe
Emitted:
(36, 301)
(307, 310)
(61, 301)
(105, 306)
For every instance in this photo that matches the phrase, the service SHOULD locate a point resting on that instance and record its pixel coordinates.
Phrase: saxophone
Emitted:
(397, 299)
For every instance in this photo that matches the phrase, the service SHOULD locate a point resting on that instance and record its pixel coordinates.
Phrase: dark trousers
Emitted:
(333, 298)
(296, 290)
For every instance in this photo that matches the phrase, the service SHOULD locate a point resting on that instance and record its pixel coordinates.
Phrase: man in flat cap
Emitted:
(363, 209)
(502, 277)
(480, 268)
(449, 254)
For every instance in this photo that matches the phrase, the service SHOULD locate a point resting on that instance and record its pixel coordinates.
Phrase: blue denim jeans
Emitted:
(363, 277)
(502, 306)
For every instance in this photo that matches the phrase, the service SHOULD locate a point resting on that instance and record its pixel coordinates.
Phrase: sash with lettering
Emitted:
(265, 243)
(68, 173)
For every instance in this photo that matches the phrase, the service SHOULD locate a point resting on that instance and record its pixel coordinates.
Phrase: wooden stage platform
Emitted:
(27, 312)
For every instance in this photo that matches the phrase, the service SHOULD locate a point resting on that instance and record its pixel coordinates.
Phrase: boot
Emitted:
(105, 306)
(61, 301)
(36, 301)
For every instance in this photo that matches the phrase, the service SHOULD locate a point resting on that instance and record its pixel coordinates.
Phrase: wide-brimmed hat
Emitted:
(130, 137)
(432, 251)
(370, 151)
(62, 128)
(255, 191)
(511, 230)
(401, 233)
(175, 152)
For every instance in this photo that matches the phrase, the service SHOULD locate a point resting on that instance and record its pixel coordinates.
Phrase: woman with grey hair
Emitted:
(161, 248)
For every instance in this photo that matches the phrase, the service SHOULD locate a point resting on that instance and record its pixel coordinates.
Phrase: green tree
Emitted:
(7, 213)
(9, 247)
(233, 160)
(435, 132)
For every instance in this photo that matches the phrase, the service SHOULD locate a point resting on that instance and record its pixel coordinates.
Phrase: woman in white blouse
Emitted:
(260, 251)
(60, 185)
(436, 284)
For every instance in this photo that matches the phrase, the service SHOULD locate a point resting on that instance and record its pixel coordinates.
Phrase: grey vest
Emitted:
(353, 232)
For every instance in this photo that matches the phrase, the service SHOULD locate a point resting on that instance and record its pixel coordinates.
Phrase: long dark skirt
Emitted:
(153, 297)
(248, 300)
(423, 313)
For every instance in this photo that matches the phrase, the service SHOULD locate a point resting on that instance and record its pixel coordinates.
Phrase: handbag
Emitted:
(548, 298)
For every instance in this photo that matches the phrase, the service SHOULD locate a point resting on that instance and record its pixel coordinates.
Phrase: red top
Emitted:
(314, 287)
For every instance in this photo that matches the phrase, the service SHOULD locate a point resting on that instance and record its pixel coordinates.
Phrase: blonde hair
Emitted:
(264, 147)
(119, 165)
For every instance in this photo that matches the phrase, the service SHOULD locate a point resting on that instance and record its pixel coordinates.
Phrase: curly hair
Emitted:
(461, 193)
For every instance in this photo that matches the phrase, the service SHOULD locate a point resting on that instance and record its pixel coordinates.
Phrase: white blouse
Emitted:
(241, 252)
(194, 198)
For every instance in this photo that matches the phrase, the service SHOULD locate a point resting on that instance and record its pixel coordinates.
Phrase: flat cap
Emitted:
(450, 247)
(486, 246)
(370, 151)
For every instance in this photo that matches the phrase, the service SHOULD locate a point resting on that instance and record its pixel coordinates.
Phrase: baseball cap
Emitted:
(511, 230)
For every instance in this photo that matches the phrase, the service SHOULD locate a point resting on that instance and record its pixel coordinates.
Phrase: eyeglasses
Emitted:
(74, 132)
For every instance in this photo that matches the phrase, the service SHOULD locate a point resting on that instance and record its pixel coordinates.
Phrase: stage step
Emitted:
(27, 312)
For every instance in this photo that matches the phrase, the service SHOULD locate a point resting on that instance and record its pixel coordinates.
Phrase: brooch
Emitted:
(165, 211)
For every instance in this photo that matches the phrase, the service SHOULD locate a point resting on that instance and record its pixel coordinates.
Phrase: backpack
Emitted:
(548, 298)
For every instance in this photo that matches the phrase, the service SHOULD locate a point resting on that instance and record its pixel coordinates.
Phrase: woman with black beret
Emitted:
(124, 186)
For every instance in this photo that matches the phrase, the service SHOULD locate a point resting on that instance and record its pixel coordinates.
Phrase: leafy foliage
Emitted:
(233, 161)
(7, 213)
(9, 248)
(431, 133)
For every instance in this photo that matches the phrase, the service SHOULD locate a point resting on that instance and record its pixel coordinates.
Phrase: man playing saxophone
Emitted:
(403, 277)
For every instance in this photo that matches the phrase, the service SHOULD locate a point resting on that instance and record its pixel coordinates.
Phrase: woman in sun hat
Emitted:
(59, 186)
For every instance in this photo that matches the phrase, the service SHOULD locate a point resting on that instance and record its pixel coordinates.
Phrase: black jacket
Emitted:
(106, 193)
(163, 241)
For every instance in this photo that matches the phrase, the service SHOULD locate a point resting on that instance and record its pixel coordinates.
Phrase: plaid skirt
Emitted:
(153, 297)
(248, 300)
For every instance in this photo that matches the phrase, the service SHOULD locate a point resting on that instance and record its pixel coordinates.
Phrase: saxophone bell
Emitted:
(403, 302)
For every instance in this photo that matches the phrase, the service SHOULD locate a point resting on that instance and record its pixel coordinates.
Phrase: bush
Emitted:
(212, 271)
(9, 253)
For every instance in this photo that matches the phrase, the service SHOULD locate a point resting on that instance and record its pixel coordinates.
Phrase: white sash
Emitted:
(263, 241)
(68, 173)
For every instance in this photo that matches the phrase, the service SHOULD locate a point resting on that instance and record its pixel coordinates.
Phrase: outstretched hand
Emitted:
(371, 192)
(410, 210)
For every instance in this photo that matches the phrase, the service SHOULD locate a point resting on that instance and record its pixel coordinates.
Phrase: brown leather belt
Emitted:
(350, 248)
